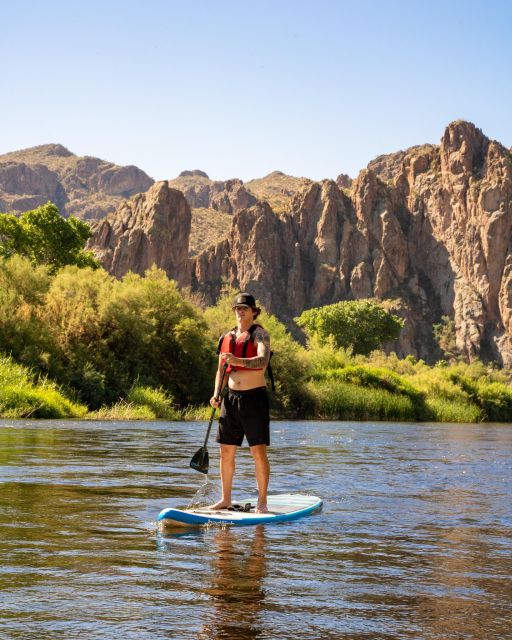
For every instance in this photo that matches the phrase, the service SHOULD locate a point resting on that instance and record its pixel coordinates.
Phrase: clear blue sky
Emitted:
(239, 88)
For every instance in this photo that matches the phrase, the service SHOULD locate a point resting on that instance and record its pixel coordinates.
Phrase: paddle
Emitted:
(201, 460)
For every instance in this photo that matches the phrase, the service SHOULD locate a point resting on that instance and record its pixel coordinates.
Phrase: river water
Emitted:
(414, 540)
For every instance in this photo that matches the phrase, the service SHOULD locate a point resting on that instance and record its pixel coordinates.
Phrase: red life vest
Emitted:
(241, 346)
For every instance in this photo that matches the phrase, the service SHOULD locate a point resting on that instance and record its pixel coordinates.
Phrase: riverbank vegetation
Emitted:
(385, 388)
(77, 343)
(25, 395)
(81, 344)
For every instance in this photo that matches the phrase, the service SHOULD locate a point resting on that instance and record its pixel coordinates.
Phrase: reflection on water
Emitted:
(414, 540)
(233, 581)
(235, 586)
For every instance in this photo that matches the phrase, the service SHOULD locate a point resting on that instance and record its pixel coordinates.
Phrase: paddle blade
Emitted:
(200, 460)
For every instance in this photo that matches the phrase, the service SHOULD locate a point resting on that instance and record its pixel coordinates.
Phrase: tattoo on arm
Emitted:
(260, 361)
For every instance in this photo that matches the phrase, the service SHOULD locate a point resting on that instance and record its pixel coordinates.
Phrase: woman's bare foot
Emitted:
(221, 504)
(261, 508)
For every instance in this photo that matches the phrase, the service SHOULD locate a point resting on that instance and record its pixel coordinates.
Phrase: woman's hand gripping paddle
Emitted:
(201, 460)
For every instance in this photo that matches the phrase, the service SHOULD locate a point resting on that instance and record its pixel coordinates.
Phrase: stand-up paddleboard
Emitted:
(281, 508)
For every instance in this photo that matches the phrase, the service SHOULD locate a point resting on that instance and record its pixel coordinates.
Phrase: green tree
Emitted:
(362, 325)
(99, 336)
(23, 288)
(446, 338)
(45, 237)
(110, 334)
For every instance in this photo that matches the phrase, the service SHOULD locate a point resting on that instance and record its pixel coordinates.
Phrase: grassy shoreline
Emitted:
(376, 388)
(84, 345)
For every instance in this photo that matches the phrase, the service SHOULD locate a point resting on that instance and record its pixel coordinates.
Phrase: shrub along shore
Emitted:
(77, 343)
(377, 387)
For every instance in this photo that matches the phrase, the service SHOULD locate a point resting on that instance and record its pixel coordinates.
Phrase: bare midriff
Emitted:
(246, 379)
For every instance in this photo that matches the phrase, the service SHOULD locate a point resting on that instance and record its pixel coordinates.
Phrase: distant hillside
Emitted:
(213, 203)
(277, 189)
(208, 227)
(427, 230)
(91, 189)
(86, 187)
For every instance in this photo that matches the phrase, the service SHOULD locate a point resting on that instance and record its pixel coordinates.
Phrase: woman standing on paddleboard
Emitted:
(244, 412)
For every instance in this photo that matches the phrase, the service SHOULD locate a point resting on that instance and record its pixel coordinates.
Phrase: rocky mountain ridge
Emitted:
(428, 230)
(153, 228)
(85, 187)
(226, 196)
(91, 188)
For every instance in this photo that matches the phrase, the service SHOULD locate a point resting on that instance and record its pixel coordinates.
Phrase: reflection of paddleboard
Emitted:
(281, 509)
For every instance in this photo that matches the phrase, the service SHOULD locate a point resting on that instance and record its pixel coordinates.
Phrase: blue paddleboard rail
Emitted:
(286, 508)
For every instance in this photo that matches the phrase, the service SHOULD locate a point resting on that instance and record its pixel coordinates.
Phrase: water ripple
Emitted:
(413, 542)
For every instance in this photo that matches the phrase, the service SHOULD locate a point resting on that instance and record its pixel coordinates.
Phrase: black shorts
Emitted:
(244, 413)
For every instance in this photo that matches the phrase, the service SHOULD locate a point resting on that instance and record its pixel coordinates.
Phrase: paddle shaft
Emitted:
(217, 395)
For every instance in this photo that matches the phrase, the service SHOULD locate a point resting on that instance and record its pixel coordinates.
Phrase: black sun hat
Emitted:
(245, 300)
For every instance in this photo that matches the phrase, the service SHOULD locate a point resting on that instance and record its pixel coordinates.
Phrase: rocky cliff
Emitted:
(226, 196)
(428, 230)
(85, 187)
(213, 203)
(277, 188)
(152, 228)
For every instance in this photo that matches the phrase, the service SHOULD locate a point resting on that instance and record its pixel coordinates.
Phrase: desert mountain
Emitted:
(85, 187)
(151, 228)
(277, 189)
(91, 188)
(213, 203)
(428, 229)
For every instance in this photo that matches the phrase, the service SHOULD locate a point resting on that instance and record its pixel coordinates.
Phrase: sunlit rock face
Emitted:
(428, 230)
(152, 228)
(85, 187)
